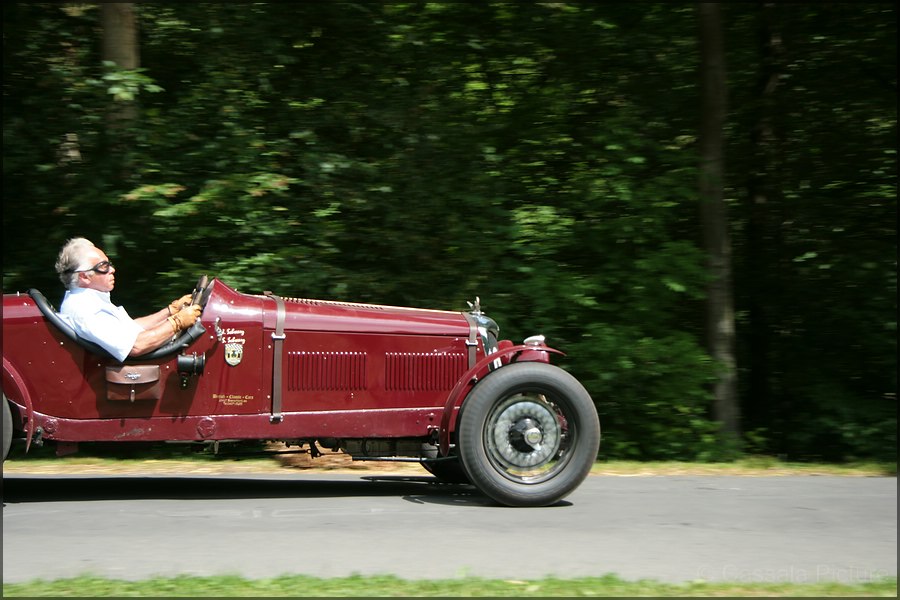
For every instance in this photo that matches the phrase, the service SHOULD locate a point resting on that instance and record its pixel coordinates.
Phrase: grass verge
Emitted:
(748, 466)
(386, 586)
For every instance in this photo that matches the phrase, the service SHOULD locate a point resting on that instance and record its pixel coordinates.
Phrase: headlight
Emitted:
(535, 340)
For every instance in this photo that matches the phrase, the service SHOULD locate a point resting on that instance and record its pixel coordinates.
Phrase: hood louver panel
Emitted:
(326, 371)
(425, 372)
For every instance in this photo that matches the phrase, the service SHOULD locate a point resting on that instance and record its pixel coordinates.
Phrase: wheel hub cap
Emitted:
(533, 436)
(526, 434)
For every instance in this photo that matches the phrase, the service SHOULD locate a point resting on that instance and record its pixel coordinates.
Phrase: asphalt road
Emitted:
(768, 529)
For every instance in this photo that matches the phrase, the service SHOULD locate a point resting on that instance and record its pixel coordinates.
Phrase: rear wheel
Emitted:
(528, 434)
(448, 471)
(7, 427)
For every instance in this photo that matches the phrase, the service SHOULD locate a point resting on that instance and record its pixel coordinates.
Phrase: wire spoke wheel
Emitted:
(526, 437)
(528, 434)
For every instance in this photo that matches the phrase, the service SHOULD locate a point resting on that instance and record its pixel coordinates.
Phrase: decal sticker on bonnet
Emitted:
(233, 354)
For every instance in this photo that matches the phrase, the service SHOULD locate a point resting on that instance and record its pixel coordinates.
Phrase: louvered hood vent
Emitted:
(326, 371)
(414, 371)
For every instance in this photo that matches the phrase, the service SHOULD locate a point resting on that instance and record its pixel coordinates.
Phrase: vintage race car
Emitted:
(376, 382)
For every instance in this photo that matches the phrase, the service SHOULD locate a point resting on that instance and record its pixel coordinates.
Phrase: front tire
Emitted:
(528, 434)
(7, 428)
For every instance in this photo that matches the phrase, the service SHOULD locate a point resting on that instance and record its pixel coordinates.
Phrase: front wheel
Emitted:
(7, 427)
(528, 434)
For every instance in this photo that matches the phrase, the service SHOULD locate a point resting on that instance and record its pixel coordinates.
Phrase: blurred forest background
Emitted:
(612, 175)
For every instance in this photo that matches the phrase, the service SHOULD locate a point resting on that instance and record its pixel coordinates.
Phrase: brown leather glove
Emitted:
(178, 304)
(185, 317)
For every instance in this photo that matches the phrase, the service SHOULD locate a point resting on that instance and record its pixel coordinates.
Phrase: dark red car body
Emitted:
(374, 381)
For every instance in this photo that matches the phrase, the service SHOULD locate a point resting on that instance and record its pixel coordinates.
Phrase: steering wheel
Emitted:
(197, 294)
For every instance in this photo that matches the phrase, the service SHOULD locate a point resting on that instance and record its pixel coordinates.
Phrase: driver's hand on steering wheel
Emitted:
(180, 303)
(186, 317)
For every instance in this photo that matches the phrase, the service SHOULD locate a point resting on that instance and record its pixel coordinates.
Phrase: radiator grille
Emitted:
(421, 371)
(326, 371)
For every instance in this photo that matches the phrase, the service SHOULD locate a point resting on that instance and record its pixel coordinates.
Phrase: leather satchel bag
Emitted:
(133, 382)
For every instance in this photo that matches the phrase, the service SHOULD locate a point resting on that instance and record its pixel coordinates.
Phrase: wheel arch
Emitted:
(481, 370)
(15, 390)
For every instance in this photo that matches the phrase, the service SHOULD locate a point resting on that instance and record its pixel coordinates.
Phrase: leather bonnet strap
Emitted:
(277, 360)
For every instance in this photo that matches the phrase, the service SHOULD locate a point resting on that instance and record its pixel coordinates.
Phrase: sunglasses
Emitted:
(103, 267)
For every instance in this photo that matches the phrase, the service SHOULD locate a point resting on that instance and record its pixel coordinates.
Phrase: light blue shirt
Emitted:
(96, 318)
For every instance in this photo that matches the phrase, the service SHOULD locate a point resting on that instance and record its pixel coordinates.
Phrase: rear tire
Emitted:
(528, 434)
(7, 427)
(448, 471)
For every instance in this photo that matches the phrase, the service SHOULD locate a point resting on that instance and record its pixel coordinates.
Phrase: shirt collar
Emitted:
(89, 291)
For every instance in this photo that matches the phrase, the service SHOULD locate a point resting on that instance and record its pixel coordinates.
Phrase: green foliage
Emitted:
(538, 155)
(124, 85)
(653, 387)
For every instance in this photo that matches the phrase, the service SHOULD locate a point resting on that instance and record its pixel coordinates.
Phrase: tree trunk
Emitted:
(720, 328)
(120, 45)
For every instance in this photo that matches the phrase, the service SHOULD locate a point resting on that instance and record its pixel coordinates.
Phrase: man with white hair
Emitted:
(89, 277)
